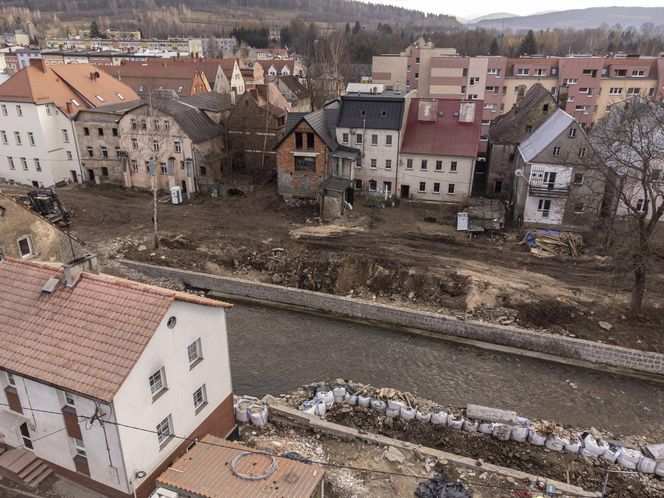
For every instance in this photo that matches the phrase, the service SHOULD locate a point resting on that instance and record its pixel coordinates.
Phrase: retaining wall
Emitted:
(566, 347)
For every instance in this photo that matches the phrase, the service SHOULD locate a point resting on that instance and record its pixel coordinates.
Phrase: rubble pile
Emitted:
(546, 243)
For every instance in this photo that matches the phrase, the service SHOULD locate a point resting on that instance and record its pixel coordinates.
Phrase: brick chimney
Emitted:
(38, 63)
(74, 268)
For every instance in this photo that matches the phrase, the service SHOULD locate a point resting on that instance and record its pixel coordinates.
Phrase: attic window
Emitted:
(383, 114)
(73, 101)
(140, 88)
(363, 113)
(180, 88)
(99, 98)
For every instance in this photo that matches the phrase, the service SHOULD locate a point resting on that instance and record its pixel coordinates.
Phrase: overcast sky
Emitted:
(470, 10)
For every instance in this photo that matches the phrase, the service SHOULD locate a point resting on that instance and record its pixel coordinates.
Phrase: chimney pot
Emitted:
(74, 268)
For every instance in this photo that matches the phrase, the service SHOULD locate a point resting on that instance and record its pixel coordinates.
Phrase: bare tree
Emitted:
(630, 142)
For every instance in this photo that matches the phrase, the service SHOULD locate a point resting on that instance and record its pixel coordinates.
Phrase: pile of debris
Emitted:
(546, 243)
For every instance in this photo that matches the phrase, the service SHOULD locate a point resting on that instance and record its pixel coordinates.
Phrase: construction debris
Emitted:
(441, 487)
(546, 243)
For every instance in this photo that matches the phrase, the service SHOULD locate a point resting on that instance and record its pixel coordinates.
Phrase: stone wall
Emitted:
(540, 342)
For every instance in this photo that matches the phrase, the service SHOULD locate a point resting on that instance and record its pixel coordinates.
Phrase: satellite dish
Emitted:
(518, 172)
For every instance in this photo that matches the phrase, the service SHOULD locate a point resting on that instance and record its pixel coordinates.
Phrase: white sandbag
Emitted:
(523, 421)
(646, 465)
(423, 417)
(241, 410)
(535, 438)
(350, 399)
(392, 412)
(572, 445)
(395, 404)
(307, 407)
(439, 417)
(455, 422)
(378, 404)
(319, 407)
(407, 413)
(338, 393)
(486, 427)
(592, 446)
(470, 425)
(554, 443)
(519, 434)
(501, 432)
(612, 454)
(258, 414)
(363, 400)
(629, 458)
(327, 397)
(659, 469)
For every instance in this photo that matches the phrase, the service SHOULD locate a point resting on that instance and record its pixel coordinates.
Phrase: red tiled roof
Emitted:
(84, 339)
(205, 470)
(445, 136)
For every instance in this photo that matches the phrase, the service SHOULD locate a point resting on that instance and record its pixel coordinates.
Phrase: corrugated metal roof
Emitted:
(545, 134)
(376, 112)
(205, 470)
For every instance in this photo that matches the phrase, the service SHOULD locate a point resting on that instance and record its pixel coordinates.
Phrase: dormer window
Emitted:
(383, 114)
(363, 113)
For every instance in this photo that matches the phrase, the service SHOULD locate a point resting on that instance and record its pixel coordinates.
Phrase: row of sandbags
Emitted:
(249, 409)
(523, 431)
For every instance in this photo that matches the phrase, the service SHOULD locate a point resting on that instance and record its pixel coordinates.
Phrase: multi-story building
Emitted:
(24, 55)
(296, 93)
(184, 46)
(37, 106)
(373, 121)
(554, 184)
(131, 370)
(439, 150)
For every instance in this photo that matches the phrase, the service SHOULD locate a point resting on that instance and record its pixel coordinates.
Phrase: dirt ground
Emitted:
(390, 255)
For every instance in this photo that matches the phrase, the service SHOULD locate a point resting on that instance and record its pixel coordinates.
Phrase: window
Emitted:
(180, 89)
(417, 60)
(641, 206)
(155, 125)
(298, 141)
(104, 171)
(490, 107)
(200, 397)
(358, 184)
(134, 165)
(615, 91)
(164, 169)
(91, 152)
(373, 185)
(582, 152)
(543, 206)
(423, 187)
(638, 73)
(358, 138)
(423, 164)
(388, 163)
(144, 125)
(383, 114)
(164, 430)
(388, 140)
(436, 188)
(578, 207)
(498, 187)
(453, 167)
(493, 71)
(10, 379)
(65, 136)
(374, 139)
(344, 138)
(572, 132)
(374, 163)
(473, 80)
(31, 138)
(450, 188)
(157, 382)
(79, 447)
(114, 132)
(633, 91)
(310, 141)
(155, 145)
(167, 125)
(578, 179)
(656, 175)
(194, 352)
(24, 163)
(118, 152)
(408, 67)
(589, 72)
(25, 247)
(439, 165)
(569, 81)
(522, 71)
(17, 137)
(387, 186)
(104, 152)
(134, 143)
(133, 124)
(556, 151)
(37, 165)
(545, 108)
(4, 110)
(651, 92)
(69, 399)
(358, 161)
(70, 157)
(100, 132)
(417, 76)
(540, 72)
(582, 108)
(409, 164)
(19, 111)
(3, 134)
(178, 146)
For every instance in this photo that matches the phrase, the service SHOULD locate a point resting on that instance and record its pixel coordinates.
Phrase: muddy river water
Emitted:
(275, 351)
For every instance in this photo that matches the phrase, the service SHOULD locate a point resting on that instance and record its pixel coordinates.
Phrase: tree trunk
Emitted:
(639, 287)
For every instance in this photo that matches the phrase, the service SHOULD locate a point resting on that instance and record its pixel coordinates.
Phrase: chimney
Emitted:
(38, 63)
(73, 269)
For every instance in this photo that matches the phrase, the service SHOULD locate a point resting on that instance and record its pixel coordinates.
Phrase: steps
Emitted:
(23, 466)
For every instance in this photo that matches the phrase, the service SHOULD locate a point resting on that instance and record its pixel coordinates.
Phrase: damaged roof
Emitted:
(537, 95)
(542, 137)
(209, 101)
(84, 339)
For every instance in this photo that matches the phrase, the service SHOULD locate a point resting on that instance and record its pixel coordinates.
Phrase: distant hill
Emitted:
(491, 17)
(580, 18)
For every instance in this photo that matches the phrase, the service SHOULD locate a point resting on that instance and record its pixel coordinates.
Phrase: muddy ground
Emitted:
(389, 255)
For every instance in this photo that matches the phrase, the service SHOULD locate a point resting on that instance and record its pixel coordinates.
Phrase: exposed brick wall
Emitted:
(565, 347)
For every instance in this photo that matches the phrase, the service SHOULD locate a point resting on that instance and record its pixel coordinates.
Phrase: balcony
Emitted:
(548, 189)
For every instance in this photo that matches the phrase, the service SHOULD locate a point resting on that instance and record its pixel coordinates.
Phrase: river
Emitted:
(274, 351)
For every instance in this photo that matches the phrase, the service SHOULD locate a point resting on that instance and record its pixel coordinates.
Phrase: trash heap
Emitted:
(547, 243)
(502, 425)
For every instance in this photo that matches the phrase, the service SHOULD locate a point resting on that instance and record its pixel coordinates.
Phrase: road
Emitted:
(275, 351)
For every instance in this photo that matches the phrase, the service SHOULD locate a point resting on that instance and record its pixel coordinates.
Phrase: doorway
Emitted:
(405, 191)
(91, 175)
(74, 175)
(25, 436)
(184, 186)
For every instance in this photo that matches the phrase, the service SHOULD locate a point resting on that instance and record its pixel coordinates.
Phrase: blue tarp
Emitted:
(530, 236)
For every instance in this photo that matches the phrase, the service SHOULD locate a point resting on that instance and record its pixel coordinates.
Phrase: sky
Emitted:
(477, 8)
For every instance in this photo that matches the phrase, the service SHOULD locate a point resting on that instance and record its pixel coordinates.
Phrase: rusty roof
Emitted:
(206, 471)
(84, 339)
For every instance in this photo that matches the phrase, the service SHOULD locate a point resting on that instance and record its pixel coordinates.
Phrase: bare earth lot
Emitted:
(391, 255)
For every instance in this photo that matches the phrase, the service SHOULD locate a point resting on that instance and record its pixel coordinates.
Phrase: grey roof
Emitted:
(119, 109)
(295, 86)
(545, 134)
(336, 184)
(515, 116)
(382, 111)
(209, 101)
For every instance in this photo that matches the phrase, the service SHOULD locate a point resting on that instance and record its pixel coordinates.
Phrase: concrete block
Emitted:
(488, 414)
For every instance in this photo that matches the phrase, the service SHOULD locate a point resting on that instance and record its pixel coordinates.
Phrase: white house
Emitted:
(37, 104)
(100, 374)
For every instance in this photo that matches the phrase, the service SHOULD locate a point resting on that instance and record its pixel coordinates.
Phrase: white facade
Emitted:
(114, 453)
(542, 203)
(436, 178)
(38, 146)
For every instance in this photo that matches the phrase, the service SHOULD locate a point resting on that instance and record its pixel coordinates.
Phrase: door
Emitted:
(91, 175)
(350, 193)
(544, 206)
(405, 191)
(184, 186)
(25, 436)
(549, 179)
(74, 176)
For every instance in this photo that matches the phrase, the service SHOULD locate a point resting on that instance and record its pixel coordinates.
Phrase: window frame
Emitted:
(203, 398)
(164, 430)
(31, 248)
(162, 382)
(198, 350)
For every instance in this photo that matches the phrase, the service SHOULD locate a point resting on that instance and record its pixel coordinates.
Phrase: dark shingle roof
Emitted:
(298, 89)
(371, 111)
(209, 101)
(535, 96)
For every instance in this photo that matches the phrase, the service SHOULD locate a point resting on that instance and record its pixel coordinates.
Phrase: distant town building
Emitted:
(146, 77)
(193, 46)
(296, 93)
